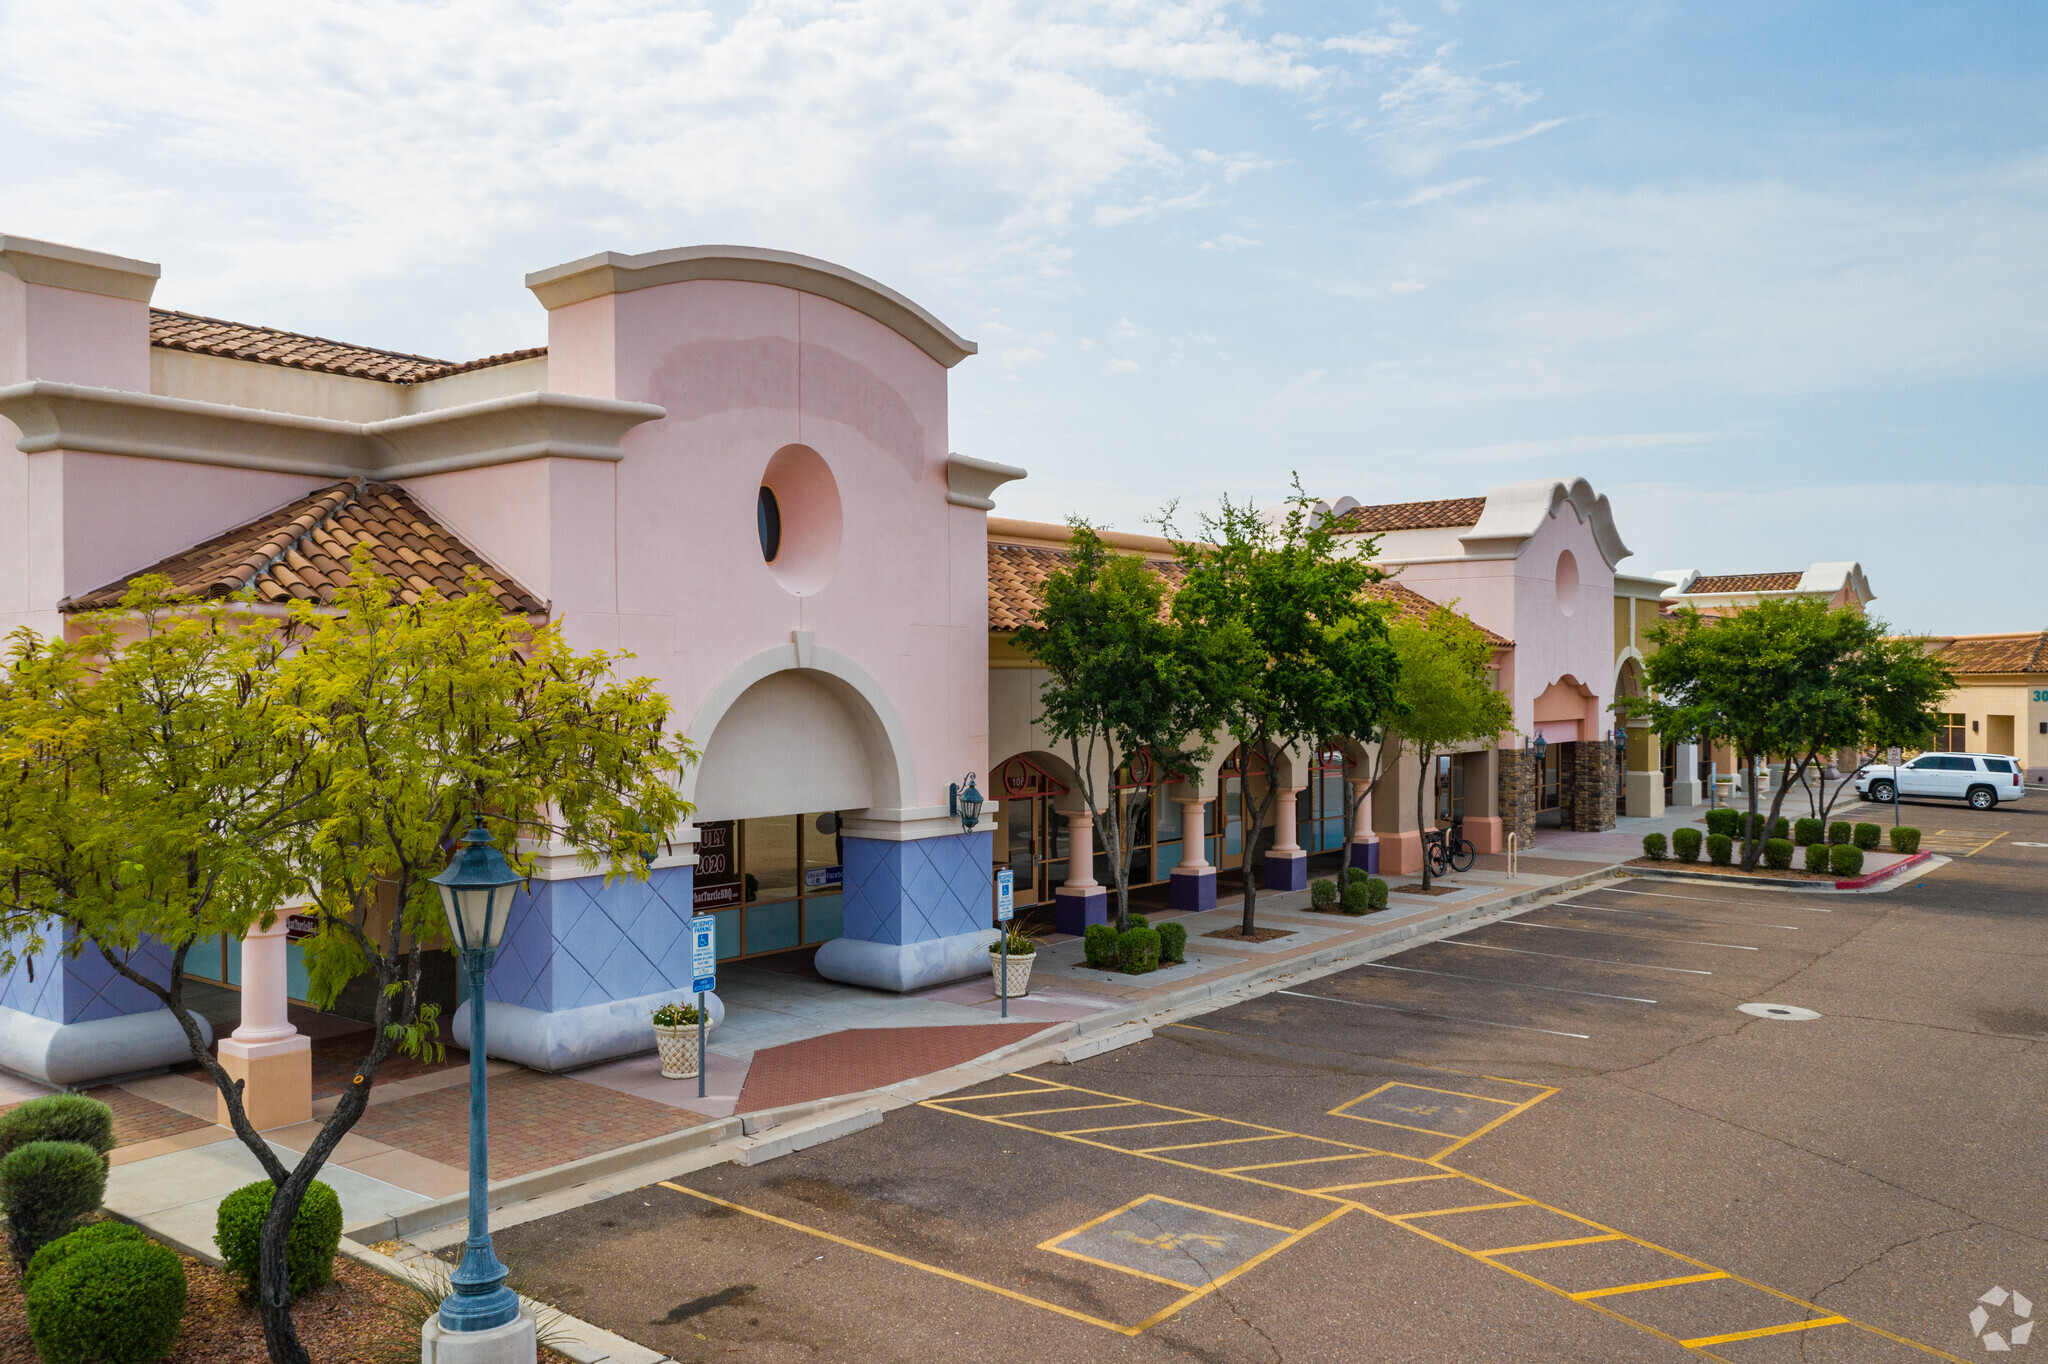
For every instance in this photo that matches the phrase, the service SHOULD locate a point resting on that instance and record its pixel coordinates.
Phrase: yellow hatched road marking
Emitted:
(1163, 1313)
(1517, 1111)
(1382, 1183)
(1121, 1127)
(1306, 1160)
(1446, 1212)
(1077, 1108)
(1760, 1332)
(1549, 1245)
(1198, 1145)
(1645, 1287)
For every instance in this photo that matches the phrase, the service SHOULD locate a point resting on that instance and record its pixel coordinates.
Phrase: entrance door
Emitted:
(1031, 835)
(1230, 808)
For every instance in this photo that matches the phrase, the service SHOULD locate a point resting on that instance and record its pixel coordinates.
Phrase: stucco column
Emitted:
(1644, 779)
(1365, 844)
(1080, 900)
(1393, 817)
(1686, 788)
(1286, 864)
(272, 1058)
(1482, 800)
(1193, 882)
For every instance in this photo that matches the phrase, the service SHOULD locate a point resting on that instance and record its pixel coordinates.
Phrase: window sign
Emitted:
(817, 878)
(717, 882)
(299, 927)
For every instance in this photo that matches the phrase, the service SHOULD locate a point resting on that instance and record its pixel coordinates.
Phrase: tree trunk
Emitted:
(1423, 757)
(1750, 845)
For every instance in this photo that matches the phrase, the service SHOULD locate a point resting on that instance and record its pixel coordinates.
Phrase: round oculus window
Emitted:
(768, 521)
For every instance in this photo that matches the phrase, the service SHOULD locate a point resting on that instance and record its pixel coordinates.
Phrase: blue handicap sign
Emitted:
(703, 954)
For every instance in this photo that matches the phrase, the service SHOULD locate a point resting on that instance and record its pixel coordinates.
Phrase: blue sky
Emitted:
(1772, 276)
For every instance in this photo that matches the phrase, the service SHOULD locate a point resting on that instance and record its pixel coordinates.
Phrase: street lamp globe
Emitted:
(476, 892)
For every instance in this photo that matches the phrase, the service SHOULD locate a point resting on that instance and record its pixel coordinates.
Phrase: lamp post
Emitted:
(476, 892)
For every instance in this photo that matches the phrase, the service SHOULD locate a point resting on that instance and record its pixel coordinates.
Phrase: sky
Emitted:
(1772, 276)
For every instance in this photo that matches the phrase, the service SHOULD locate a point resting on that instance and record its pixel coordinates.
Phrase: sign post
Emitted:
(704, 978)
(1006, 910)
(1893, 754)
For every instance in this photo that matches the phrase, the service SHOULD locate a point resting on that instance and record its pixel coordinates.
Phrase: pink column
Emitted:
(1193, 842)
(273, 1059)
(1080, 851)
(1284, 830)
(1286, 865)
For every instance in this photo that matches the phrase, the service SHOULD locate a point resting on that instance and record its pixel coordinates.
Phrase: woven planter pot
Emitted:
(1020, 973)
(678, 1048)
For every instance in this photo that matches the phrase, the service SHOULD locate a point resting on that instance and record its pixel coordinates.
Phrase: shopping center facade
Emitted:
(735, 463)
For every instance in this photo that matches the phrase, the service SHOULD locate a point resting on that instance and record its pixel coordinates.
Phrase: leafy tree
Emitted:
(185, 767)
(1445, 696)
(1125, 682)
(1893, 688)
(1300, 647)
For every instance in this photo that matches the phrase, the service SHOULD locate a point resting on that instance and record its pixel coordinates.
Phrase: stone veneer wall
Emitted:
(1518, 796)
(1586, 787)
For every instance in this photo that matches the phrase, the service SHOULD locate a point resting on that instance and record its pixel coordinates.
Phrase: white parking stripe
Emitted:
(1517, 984)
(1560, 956)
(1665, 913)
(1639, 937)
(1429, 1013)
(1700, 899)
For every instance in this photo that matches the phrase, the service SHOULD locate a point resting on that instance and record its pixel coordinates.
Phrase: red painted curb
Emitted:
(1873, 877)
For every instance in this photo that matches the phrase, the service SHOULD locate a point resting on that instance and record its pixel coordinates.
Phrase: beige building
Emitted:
(2001, 704)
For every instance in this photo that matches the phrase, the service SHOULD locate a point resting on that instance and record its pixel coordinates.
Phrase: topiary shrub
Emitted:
(1817, 857)
(1686, 843)
(1139, 921)
(58, 1117)
(315, 1233)
(1845, 859)
(1807, 832)
(1720, 849)
(118, 1302)
(1778, 853)
(1723, 821)
(1905, 839)
(1173, 942)
(1376, 892)
(71, 1243)
(45, 1187)
(1322, 895)
(1867, 836)
(1838, 832)
(1782, 829)
(1653, 847)
(1098, 946)
(1137, 951)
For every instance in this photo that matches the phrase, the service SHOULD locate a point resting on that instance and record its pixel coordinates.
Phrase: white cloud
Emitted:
(1430, 193)
(1488, 143)
(1235, 164)
(1392, 43)
(1021, 355)
(1122, 367)
(1431, 110)
(1116, 215)
(1296, 387)
(1226, 242)
(1126, 328)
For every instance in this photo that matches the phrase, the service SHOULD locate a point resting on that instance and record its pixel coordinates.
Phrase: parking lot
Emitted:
(1555, 1137)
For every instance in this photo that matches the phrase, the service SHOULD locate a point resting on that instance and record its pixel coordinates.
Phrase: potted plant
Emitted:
(675, 1037)
(1023, 951)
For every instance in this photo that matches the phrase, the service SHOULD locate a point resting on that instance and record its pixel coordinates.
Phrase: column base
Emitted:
(901, 967)
(1074, 910)
(513, 1343)
(1685, 794)
(1484, 832)
(1194, 891)
(1365, 855)
(1401, 853)
(1645, 795)
(1286, 870)
(567, 1038)
(67, 1054)
(277, 1081)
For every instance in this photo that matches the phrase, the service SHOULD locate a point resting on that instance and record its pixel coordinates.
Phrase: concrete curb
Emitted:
(1851, 883)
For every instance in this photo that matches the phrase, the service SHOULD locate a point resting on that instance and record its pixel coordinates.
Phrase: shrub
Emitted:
(1140, 921)
(1723, 821)
(45, 1187)
(309, 1248)
(1905, 839)
(1322, 895)
(70, 1244)
(1173, 942)
(1867, 836)
(1778, 853)
(1720, 849)
(1015, 943)
(1838, 832)
(1376, 891)
(1817, 857)
(1845, 859)
(1358, 896)
(1807, 832)
(1098, 946)
(1137, 951)
(1782, 829)
(1686, 843)
(1653, 847)
(117, 1302)
(58, 1117)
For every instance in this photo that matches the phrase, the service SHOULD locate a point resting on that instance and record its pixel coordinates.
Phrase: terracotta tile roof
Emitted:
(1997, 653)
(1016, 573)
(1745, 582)
(1451, 511)
(269, 346)
(300, 552)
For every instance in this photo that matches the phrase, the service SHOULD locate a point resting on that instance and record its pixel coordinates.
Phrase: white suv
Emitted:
(1983, 779)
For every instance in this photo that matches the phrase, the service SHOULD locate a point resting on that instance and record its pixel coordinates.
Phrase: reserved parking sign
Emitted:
(704, 954)
(1006, 895)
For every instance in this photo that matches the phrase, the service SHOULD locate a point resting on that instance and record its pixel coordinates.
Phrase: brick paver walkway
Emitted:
(536, 1121)
(866, 1058)
(137, 1119)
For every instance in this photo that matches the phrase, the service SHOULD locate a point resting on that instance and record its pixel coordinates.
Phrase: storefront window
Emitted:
(1319, 811)
(772, 883)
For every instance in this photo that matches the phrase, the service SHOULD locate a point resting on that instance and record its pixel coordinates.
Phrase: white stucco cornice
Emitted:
(1516, 511)
(609, 272)
(72, 267)
(495, 431)
(1828, 579)
(972, 482)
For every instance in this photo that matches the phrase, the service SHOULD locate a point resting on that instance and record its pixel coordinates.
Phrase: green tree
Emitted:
(231, 764)
(1300, 648)
(1124, 682)
(1444, 697)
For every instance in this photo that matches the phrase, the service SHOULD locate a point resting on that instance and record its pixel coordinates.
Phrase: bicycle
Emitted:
(1449, 852)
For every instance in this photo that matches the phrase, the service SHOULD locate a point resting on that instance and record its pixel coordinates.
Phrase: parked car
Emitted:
(1982, 779)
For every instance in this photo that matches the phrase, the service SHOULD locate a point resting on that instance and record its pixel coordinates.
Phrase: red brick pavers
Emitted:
(536, 1121)
(867, 1058)
(137, 1119)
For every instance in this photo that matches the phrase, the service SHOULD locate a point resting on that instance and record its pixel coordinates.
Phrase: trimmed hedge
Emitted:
(1867, 836)
(117, 1302)
(1173, 942)
(45, 1187)
(1838, 832)
(70, 1244)
(1723, 821)
(1686, 843)
(58, 1117)
(1720, 849)
(1778, 854)
(1098, 946)
(1653, 847)
(315, 1233)
(1137, 951)
(1782, 829)
(1376, 892)
(1358, 896)
(1905, 839)
(1322, 894)
(1817, 857)
(1846, 859)
(1807, 832)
